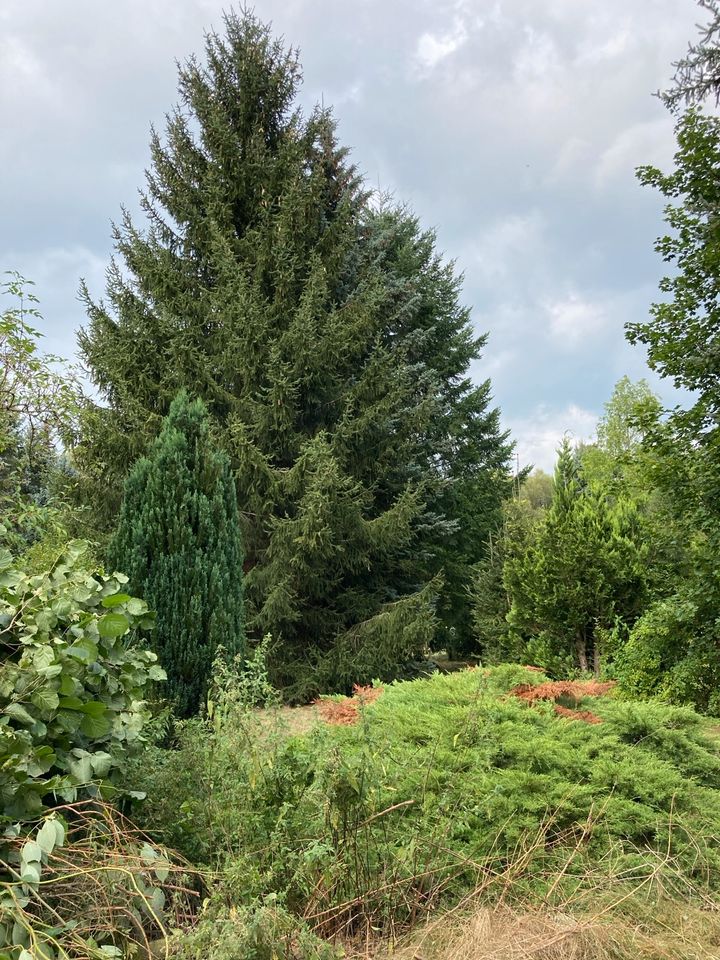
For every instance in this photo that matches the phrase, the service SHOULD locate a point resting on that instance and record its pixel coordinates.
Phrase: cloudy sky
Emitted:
(511, 126)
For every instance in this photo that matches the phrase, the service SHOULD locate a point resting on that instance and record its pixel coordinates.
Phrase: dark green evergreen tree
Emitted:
(178, 541)
(327, 340)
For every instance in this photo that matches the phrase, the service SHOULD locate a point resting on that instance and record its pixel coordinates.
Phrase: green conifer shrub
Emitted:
(178, 541)
(581, 577)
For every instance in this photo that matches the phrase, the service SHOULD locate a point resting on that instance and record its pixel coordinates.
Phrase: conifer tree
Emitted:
(327, 340)
(178, 541)
(581, 577)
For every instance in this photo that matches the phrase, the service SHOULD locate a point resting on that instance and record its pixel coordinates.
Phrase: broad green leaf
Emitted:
(45, 699)
(10, 578)
(68, 720)
(109, 950)
(20, 935)
(30, 873)
(76, 549)
(68, 685)
(44, 951)
(101, 763)
(149, 853)
(81, 769)
(157, 900)
(84, 649)
(19, 713)
(96, 727)
(47, 836)
(113, 625)
(31, 852)
(43, 658)
(40, 761)
(94, 708)
(70, 703)
(59, 832)
(115, 599)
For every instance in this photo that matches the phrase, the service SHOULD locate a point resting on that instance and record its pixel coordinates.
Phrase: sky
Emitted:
(512, 127)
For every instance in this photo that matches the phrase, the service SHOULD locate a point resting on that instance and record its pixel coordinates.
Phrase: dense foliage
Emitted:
(445, 783)
(675, 651)
(178, 542)
(72, 687)
(580, 576)
(39, 398)
(326, 337)
(285, 440)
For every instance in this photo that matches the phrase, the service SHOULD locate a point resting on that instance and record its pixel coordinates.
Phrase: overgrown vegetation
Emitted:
(448, 788)
(299, 489)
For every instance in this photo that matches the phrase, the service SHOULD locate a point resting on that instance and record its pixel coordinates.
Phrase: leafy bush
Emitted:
(71, 682)
(84, 883)
(444, 783)
(672, 652)
(263, 932)
(39, 401)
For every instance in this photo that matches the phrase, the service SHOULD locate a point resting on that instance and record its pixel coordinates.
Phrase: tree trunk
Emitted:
(581, 650)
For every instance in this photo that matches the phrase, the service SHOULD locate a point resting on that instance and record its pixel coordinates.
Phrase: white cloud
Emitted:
(650, 142)
(507, 245)
(433, 48)
(611, 48)
(537, 58)
(539, 435)
(575, 319)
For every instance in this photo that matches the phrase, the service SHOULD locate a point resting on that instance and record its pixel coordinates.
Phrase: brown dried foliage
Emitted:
(587, 716)
(554, 689)
(347, 711)
(573, 690)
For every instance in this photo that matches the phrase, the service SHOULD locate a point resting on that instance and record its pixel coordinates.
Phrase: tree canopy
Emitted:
(326, 337)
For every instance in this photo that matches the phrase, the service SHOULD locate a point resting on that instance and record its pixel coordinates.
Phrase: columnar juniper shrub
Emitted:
(178, 541)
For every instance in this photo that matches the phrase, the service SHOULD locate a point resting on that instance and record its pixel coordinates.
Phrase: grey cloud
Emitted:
(512, 126)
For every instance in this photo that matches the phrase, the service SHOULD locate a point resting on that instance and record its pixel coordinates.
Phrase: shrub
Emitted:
(71, 683)
(84, 883)
(672, 652)
(264, 931)
(178, 539)
(443, 783)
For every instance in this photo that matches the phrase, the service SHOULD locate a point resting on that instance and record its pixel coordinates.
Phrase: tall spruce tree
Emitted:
(178, 541)
(327, 340)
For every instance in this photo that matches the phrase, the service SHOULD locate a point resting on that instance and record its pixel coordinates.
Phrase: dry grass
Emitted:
(674, 932)
(106, 883)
